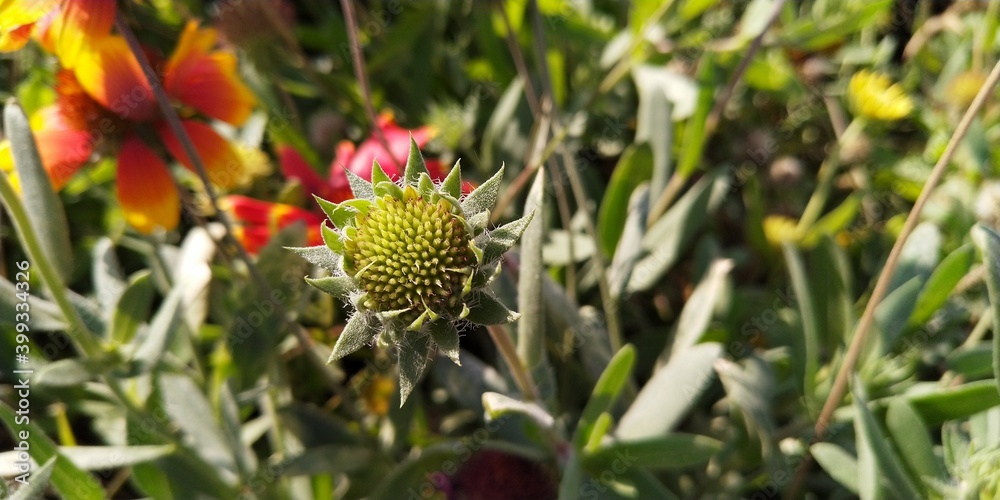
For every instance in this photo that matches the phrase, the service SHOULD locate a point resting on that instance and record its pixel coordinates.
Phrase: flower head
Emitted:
(415, 260)
(64, 27)
(874, 96)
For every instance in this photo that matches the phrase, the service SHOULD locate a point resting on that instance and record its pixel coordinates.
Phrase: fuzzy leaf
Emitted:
(43, 206)
(356, 335)
(319, 255)
(445, 335)
(485, 309)
(412, 364)
(425, 186)
(38, 483)
(388, 188)
(340, 214)
(414, 165)
(378, 175)
(485, 196)
(502, 238)
(338, 286)
(361, 188)
(452, 184)
(333, 240)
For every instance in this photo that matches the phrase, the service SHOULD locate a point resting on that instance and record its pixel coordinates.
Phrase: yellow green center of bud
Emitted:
(410, 254)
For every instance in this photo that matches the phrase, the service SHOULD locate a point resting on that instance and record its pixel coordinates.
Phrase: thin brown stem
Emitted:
(720, 104)
(228, 240)
(508, 352)
(839, 388)
(362, 75)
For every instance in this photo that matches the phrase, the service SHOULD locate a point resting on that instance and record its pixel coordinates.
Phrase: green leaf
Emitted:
(485, 196)
(870, 437)
(333, 240)
(629, 248)
(503, 238)
(91, 458)
(319, 255)
(694, 129)
(670, 452)
(531, 325)
(45, 315)
(452, 184)
(497, 405)
(414, 165)
(357, 334)
(485, 309)
(341, 214)
(67, 479)
(189, 409)
(133, 307)
(890, 319)
(378, 175)
(606, 391)
(338, 286)
(108, 277)
(911, 437)
(169, 319)
(952, 403)
(700, 306)
(361, 188)
(989, 244)
(839, 464)
(38, 482)
(833, 222)
(673, 390)
(975, 362)
(70, 372)
(677, 228)
(806, 357)
(44, 209)
(412, 364)
(940, 284)
(328, 459)
(445, 335)
(634, 168)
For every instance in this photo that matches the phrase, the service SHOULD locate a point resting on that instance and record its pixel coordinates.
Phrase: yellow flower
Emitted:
(7, 164)
(874, 96)
(779, 229)
(964, 87)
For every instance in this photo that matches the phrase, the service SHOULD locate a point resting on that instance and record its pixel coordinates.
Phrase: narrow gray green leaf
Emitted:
(531, 325)
(870, 435)
(338, 286)
(606, 391)
(497, 405)
(319, 255)
(669, 452)
(414, 165)
(989, 243)
(445, 335)
(911, 436)
(37, 484)
(357, 334)
(485, 309)
(361, 188)
(504, 237)
(839, 464)
(42, 204)
(412, 364)
(485, 196)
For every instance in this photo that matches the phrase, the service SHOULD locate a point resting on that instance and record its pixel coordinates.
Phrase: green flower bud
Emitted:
(414, 259)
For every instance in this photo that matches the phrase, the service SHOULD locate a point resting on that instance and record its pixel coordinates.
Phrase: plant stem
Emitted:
(79, 333)
(509, 354)
(882, 285)
(361, 75)
(827, 173)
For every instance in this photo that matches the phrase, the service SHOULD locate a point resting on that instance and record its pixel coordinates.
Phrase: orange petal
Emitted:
(145, 188)
(15, 39)
(109, 72)
(17, 19)
(62, 148)
(222, 163)
(78, 25)
(206, 80)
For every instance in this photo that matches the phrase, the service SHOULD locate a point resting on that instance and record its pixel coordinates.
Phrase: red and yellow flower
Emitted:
(64, 27)
(106, 103)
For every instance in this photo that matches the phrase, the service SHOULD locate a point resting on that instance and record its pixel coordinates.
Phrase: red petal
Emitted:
(222, 163)
(146, 191)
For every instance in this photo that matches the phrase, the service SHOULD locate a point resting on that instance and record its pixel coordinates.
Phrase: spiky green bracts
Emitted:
(414, 259)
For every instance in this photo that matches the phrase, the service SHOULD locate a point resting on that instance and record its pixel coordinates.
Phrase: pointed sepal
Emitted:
(414, 165)
(341, 214)
(388, 188)
(425, 186)
(319, 255)
(504, 237)
(361, 188)
(357, 334)
(445, 335)
(485, 309)
(412, 364)
(334, 241)
(338, 286)
(478, 222)
(485, 196)
(378, 175)
(452, 184)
